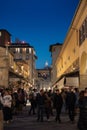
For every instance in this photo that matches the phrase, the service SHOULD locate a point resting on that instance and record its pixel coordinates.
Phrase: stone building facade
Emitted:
(72, 58)
(17, 61)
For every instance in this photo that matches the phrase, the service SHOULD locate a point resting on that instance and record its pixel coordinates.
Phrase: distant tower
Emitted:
(46, 64)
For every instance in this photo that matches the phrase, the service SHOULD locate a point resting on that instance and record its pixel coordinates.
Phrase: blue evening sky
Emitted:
(38, 22)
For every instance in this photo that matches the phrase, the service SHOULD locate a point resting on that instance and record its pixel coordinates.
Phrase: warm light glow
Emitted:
(12, 66)
(44, 88)
(22, 67)
(30, 50)
(49, 88)
(16, 70)
(20, 73)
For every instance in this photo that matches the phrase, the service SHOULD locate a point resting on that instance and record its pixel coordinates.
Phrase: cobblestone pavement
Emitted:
(26, 122)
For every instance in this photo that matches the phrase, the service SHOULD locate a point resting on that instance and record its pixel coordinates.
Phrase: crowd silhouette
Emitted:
(43, 103)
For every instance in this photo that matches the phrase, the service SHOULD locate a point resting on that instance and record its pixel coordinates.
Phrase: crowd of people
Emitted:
(12, 102)
(71, 101)
(43, 103)
(47, 101)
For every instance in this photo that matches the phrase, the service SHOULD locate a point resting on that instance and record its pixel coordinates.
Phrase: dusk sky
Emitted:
(40, 23)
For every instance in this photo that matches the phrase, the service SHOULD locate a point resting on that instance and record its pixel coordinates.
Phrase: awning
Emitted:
(68, 79)
(72, 81)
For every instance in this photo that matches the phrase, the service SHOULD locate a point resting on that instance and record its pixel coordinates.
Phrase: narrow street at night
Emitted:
(43, 65)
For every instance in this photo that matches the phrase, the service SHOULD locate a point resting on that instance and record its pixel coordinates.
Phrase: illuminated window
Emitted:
(30, 50)
(17, 50)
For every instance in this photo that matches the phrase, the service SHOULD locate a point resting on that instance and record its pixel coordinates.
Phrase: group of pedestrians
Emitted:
(43, 103)
(46, 101)
(71, 102)
(82, 122)
(11, 102)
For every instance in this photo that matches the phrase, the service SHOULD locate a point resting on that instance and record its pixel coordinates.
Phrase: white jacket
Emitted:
(7, 101)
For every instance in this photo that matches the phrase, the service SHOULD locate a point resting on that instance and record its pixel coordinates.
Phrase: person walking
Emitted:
(70, 104)
(7, 102)
(82, 122)
(58, 105)
(40, 99)
(1, 112)
(47, 106)
(33, 104)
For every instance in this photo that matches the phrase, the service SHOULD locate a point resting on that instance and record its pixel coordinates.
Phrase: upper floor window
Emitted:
(83, 32)
(17, 50)
(20, 50)
(27, 50)
(30, 50)
(20, 57)
(27, 57)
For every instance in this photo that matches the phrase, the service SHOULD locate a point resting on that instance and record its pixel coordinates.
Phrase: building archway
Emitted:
(83, 63)
(83, 71)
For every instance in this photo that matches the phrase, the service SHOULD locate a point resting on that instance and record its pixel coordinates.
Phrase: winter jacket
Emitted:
(82, 122)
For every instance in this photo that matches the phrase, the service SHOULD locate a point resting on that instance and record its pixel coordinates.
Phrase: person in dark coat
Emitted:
(82, 122)
(70, 104)
(47, 106)
(58, 105)
(32, 101)
(40, 99)
(1, 112)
